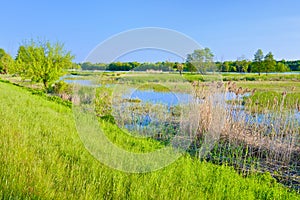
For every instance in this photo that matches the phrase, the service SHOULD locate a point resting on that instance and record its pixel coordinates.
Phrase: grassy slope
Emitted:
(41, 156)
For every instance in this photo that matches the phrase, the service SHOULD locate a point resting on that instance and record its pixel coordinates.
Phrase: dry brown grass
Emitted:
(273, 144)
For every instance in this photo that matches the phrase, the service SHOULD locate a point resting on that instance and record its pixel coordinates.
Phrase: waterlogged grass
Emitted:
(272, 101)
(154, 87)
(277, 86)
(42, 157)
(241, 77)
(262, 77)
(272, 95)
(159, 82)
(151, 77)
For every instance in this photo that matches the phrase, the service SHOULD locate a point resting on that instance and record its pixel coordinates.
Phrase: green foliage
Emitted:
(103, 101)
(159, 66)
(127, 66)
(226, 67)
(179, 67)
(250, 78)
(91, 66)
(119, 66)
(62, 87)
(281, 67)
(42, 61)
(293, 65)
(75, 66)
(269, 97)
(202, 60)
(258, 61)
(6, 62)
(269, 63)
(242, 64)
(2, 52)
(42, 157)
(190, 67)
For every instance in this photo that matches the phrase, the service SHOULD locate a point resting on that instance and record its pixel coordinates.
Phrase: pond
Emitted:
(139, 100)
(155, 97)
(72, 79)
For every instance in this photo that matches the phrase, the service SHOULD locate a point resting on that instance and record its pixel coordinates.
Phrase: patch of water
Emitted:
(166, 98)
(74, 79)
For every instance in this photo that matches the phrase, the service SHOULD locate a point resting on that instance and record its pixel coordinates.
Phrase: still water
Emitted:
(176, 98)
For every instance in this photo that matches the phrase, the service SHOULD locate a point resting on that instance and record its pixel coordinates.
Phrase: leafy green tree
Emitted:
(93, 66)
(75, 66)
(170, 65)
(6, 62)
(190, 67)
(225, 66)
(219, 66)
(42, 61)
(242, 64)
(269, 63)
(2, 52)
(258, 61)
(202, 60)
(233, 68)
(281, 67)
(179, 67)
(134, 64)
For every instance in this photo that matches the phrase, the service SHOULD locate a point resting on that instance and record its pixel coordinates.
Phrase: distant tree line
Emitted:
(202, 61)
(128, 66)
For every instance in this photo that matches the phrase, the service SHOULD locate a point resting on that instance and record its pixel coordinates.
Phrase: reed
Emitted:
(267, 139)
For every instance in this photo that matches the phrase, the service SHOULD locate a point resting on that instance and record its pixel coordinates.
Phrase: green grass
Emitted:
(42, 157)
(242, 77)
(276, 86)
(262, 77)
(148, 77)
(160, 82)
(199, 77)
(267, 100)
(269, 92)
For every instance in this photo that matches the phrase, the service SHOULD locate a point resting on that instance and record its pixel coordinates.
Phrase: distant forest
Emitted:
(202, 61)
(227, 66)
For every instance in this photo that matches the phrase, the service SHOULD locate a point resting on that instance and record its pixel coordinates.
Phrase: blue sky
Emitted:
(229, 28)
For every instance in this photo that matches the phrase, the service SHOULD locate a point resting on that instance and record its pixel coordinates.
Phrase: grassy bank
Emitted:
(42, 157)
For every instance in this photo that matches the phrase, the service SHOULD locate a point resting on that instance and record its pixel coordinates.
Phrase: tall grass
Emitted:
(42, 157)
(260, 136)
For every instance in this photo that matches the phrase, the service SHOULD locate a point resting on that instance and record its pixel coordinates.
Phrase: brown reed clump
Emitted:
(269, 141)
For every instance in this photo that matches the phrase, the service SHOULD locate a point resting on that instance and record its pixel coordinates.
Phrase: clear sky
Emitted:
(229, 28)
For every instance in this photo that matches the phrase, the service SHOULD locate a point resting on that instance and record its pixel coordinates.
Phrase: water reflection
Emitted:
(171, 99)
(154, 97)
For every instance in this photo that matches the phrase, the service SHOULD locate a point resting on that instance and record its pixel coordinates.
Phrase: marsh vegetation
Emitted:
(251, 125)
(236, 151)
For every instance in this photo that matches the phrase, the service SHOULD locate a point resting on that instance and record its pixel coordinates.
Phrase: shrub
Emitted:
(61, 87)
(250, 79)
